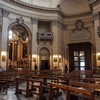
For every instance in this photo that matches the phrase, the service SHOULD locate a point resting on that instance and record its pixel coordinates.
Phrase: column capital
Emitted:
(34, 20)
(5, 13)
(57, 23)
(96, 16)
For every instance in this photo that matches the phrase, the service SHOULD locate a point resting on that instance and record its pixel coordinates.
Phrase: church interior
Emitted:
(49, 49)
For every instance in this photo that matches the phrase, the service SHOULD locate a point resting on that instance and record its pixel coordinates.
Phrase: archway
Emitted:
(19, 46)
(44, 58)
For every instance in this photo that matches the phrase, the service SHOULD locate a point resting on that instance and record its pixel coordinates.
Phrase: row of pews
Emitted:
(76, 83)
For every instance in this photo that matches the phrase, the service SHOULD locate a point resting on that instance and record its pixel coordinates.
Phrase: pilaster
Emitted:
(97, 38)
(56, 26)
(4, 39)
(34, 42)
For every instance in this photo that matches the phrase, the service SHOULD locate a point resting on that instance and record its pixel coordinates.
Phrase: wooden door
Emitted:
(80, 56)
(45, 65)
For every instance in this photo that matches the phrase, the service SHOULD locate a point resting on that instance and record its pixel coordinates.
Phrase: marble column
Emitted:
(34, 42)
(56, 30)
(97, 38)
(4, 39)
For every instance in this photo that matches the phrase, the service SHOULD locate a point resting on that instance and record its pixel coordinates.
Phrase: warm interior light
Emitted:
(55, 56)
(98, 54)
(3, 53)
(34, 55)
(59, 56)
(10, 34)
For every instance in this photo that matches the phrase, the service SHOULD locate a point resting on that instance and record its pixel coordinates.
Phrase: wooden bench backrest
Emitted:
(84, 85)
(70, 89)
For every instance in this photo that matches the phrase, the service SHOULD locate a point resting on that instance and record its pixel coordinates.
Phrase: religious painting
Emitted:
(55, 59)
(98, 57)
(25, 50)
(60, 60)
(3, 58)
(15, 51)
(34, 59)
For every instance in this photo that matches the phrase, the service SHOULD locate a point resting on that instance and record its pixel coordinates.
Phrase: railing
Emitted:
(45, 36)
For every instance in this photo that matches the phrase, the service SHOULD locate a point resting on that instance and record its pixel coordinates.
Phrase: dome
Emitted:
(43, 3)
(74, 7)
(68, 7)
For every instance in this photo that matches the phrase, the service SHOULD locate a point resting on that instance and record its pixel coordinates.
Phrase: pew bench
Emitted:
(28, 88)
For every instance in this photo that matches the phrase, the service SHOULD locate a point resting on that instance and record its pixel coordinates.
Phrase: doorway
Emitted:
(45, 65)
(80, 56)
(44, 59)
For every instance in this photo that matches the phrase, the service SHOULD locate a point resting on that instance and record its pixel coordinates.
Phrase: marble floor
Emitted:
(12, 96)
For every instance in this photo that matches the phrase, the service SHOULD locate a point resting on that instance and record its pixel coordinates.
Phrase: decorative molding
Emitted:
(5, 13)
(34, 7)
(24, 5)
(91, 1)
(57, 23)
(20, 20)
(79, 15)
(98, 31)
(96, 16)
(34, 20)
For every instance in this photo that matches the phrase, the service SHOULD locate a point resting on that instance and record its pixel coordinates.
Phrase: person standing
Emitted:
(66, 69)
(35, 67)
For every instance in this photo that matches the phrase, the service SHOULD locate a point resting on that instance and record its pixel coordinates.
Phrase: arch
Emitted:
(47, 49)
(19, 45)
(23, 25)
(44, 46)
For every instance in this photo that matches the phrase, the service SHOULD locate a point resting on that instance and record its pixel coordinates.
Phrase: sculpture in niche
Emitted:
(80, 32)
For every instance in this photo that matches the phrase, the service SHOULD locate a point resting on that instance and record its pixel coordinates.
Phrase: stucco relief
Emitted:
(80, 32)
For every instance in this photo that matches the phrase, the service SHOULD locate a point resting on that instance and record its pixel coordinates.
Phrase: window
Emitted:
(79, 60)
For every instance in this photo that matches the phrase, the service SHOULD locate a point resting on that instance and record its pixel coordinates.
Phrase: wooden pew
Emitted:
(70, 90)
(79, 92)
(78, 75)
(90, 86)
(84, 85)
(53, 86)
(29, 82)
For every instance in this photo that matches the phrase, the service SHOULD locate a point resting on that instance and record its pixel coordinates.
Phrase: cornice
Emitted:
(96, 16)
(93, 2)
(34, 7)
(79, 15)
(24, 5)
